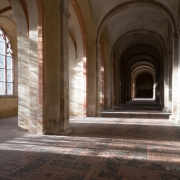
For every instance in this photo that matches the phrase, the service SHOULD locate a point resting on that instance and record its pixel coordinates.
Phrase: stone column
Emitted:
(175, 78)
(98, 79)
(154, 89)
(126, 84)
(63, 121)
(178, 88)
(119, 83)
(112, 83)
(41, 119)
(116, 80)
(23, 67)
(56, 74)
(102, 95)
(129, 87)
(162, 83)
(166, 83)
(107, 79)
(33, 66)
(169, 110)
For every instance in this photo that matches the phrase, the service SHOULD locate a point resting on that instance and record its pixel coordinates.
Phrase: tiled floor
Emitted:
(98, 148)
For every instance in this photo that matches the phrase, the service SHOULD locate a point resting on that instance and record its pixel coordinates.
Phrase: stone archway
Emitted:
(136, 73)
(23, 66)
(153, 4)
(77, 61)
(30, 65)
(136, 32)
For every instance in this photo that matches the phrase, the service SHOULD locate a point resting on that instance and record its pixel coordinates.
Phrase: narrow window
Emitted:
(6, 66)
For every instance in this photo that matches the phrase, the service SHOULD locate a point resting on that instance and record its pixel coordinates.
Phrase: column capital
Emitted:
(165, 54)
(170, 53)
(98, 45)
(112, 59)
(175, 37)
(65, 13)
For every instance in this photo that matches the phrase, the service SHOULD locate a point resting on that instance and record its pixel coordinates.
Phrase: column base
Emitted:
(164, 110)
(169, 111)
(65, 132)
(22, 129)
(172, 118)
(98, 115)
(178, 121)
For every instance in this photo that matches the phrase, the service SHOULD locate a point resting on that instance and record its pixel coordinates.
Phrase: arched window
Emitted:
(6, 66)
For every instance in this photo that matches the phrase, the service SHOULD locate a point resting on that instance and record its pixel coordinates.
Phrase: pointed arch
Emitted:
(153, 4)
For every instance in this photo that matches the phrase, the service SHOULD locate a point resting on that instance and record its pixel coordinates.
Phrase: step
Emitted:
(136, 115)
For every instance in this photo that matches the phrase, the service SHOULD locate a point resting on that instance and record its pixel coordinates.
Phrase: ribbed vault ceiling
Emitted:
(6, 11)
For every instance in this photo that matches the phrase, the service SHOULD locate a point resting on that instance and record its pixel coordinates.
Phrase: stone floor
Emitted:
(98, 148)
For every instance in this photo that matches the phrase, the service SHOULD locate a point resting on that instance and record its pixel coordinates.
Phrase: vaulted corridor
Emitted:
(89, 89)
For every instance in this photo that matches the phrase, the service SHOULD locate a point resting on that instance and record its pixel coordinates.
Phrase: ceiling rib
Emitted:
(5, 9)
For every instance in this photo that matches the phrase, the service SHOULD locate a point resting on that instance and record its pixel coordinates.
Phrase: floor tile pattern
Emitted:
(97, 149)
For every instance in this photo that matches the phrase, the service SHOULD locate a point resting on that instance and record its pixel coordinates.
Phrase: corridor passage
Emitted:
(98, 148)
